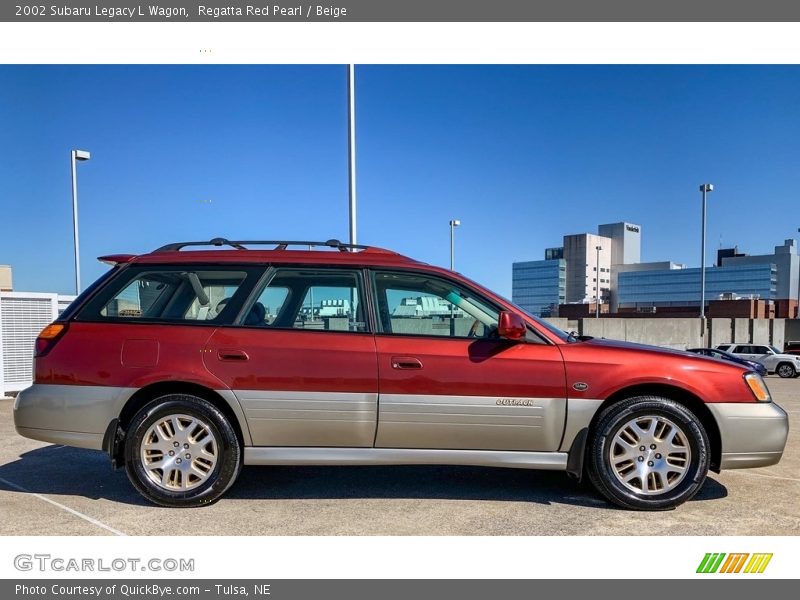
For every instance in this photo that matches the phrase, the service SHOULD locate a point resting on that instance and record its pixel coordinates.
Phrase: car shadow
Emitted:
(61, 470)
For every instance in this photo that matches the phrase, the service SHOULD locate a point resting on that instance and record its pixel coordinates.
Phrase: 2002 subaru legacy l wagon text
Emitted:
(186, 364)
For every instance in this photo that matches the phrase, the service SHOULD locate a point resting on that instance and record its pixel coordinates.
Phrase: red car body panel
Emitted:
(113, 354)
(608, 367)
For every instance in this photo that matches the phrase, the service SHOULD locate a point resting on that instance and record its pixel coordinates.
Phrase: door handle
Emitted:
(232, 355)
(406, 362)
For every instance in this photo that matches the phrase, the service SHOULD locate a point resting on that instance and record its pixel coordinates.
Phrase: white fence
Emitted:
(22, 316)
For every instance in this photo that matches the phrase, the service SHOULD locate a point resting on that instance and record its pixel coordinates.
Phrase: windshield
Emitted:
(775, 350)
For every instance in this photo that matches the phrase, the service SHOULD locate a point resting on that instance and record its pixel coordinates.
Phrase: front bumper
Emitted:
(73, 415)
(753, 434)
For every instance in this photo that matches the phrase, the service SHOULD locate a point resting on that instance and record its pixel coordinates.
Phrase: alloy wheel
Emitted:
(650, 455)
(179, 452)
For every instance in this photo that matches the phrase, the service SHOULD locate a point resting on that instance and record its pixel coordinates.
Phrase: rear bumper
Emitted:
(73, 415)
(753, 434)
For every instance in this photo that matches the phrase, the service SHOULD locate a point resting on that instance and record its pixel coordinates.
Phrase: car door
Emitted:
(447, 382)
(301, 360)
(745, 351)
(763, 355)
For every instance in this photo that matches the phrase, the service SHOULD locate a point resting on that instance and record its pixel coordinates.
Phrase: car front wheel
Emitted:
(786, 370)
(648, 453)
(181, 451)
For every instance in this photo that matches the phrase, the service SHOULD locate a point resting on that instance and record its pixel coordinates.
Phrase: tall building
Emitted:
(583, 275)
(588, 269)
(626, 242)
(539, 286)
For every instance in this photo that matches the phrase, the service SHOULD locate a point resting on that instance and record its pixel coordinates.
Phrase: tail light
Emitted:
(48, 338)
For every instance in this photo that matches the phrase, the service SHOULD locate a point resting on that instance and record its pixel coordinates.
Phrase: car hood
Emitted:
(603, 342)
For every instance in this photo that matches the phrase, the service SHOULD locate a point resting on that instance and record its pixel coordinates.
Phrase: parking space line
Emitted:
(59, 505)
(740, 472)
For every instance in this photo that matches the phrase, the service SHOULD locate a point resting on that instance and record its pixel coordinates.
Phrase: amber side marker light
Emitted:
(757, 386)
(48, 337)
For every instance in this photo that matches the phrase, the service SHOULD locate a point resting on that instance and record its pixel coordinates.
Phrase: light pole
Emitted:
(75, 156)
(453, 224)
(705, 189)
(351, 147)
(798, 285)
(597, 286)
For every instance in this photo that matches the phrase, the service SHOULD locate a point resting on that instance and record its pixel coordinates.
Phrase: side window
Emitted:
(743, 350)
(315, 299)
(416, 304)
(760, 350)
(169, 294)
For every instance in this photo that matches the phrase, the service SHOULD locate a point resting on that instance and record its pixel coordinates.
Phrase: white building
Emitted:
(588, 269)
(22, 316)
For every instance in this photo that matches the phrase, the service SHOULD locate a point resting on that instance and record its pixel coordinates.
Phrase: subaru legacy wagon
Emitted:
(187, 363)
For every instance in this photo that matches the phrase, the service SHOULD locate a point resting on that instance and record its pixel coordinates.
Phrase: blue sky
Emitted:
(520, 154)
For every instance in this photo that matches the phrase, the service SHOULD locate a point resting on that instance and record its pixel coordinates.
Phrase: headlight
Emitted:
(758, 387)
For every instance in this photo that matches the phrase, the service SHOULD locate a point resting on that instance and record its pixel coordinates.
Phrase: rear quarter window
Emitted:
(188, 294)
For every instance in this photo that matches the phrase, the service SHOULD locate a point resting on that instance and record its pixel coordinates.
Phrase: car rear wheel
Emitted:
(181, 451)
(648, 453)
(786, 370)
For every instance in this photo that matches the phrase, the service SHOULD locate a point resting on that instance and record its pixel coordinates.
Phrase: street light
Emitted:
(453, 224)
(351, 149)
(705, 189)
(75, 156)
(798, 285)
(597, 286)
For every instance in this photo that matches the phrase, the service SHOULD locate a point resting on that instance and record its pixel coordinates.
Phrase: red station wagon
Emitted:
(185, 364)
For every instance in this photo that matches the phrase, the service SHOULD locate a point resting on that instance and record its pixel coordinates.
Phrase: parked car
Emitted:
(722, 355)
(785, 365)
(792, 347)
(183, 366)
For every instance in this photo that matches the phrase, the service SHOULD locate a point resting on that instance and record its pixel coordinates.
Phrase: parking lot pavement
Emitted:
(55, 490)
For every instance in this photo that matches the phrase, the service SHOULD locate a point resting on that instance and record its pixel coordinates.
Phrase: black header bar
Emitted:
(402, 11)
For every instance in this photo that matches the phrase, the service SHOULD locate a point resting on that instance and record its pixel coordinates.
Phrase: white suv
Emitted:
(784, 365)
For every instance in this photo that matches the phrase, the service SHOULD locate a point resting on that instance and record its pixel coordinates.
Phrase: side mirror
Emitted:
(511, 326)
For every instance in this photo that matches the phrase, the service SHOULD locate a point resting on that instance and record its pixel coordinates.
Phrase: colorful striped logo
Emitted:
(719, 562)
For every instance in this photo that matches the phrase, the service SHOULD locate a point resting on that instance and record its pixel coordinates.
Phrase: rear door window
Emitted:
(310, 299)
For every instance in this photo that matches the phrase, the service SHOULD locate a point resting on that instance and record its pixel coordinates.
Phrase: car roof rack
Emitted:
(279, 244)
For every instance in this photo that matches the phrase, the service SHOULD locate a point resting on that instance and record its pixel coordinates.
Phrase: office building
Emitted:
(670, 288)
(626, 242)
(786, 261)
(588, 269)
(539, 286)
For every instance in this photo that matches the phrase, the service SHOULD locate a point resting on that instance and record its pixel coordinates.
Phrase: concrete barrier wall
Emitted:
(685, 333)
(778, 333)
(741, 330)
(761, 331)
(721, 331)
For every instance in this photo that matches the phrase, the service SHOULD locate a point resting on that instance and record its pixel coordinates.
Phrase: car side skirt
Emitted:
(550, 461)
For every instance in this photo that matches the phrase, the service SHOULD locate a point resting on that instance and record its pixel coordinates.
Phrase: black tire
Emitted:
(180, 492)
(613, 420)
(786, 370)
